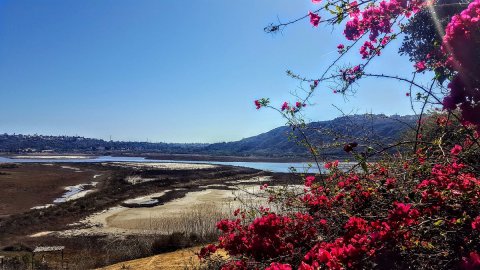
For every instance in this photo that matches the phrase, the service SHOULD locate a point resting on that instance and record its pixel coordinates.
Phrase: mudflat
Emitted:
(26, 185)
(134, 210)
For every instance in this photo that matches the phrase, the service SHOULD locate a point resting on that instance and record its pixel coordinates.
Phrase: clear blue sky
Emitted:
(167, 70)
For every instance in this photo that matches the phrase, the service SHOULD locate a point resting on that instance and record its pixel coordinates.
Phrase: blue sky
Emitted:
(167, 70)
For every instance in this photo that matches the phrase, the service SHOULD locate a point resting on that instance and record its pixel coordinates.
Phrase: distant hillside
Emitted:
(366, 129)
(330, 135)
(41, 143)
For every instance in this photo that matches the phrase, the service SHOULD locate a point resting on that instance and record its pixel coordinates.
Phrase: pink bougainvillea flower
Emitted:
(316, 1)
(472, 262)
(299, 104)
(279, 266)
(285, 106)
(456, 150)
(309, 180)
(206, 251)
(476, 224)
(332, 164)
(420, 66)
(314, 19)
(257, 104)
(305, 266)
(460, 45)
(390, 182)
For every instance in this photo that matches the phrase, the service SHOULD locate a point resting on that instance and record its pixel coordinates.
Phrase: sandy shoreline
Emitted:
(51, 157)
(163, 165)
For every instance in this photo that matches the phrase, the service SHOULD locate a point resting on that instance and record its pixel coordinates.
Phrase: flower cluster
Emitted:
(361, 239)
(456, 56)
(350, 75)
(314, 18)
(476, 224)
(460, 43)
(263, 102)
(392, 213)
(368, 49)
(279, 266)
(266, 237)
(420, 66)
(376, 20)
(293, 109)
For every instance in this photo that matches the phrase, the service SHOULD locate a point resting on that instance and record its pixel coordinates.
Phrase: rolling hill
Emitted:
(365, 129)
(330, 135)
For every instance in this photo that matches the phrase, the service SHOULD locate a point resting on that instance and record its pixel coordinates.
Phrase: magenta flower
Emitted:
(456, 150)
(257, 104)
(314, 19)
(299, 104)
(420, 66)
(309, 180)
(476, 223)
(279, 266)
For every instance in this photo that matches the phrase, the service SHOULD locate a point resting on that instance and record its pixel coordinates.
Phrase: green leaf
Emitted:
(439, 223)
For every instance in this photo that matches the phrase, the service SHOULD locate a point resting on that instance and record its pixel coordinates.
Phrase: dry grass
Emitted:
(199, 219)
(191, 227)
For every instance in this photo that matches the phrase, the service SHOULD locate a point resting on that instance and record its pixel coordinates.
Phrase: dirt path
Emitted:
(181, 259)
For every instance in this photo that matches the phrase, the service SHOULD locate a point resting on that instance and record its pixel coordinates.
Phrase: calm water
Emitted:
(266, 166)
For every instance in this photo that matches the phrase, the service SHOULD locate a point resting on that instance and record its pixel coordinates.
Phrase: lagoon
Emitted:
(301, 167)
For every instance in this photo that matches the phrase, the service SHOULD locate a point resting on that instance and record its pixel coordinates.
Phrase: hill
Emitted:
(328, 135)
(15, 143)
